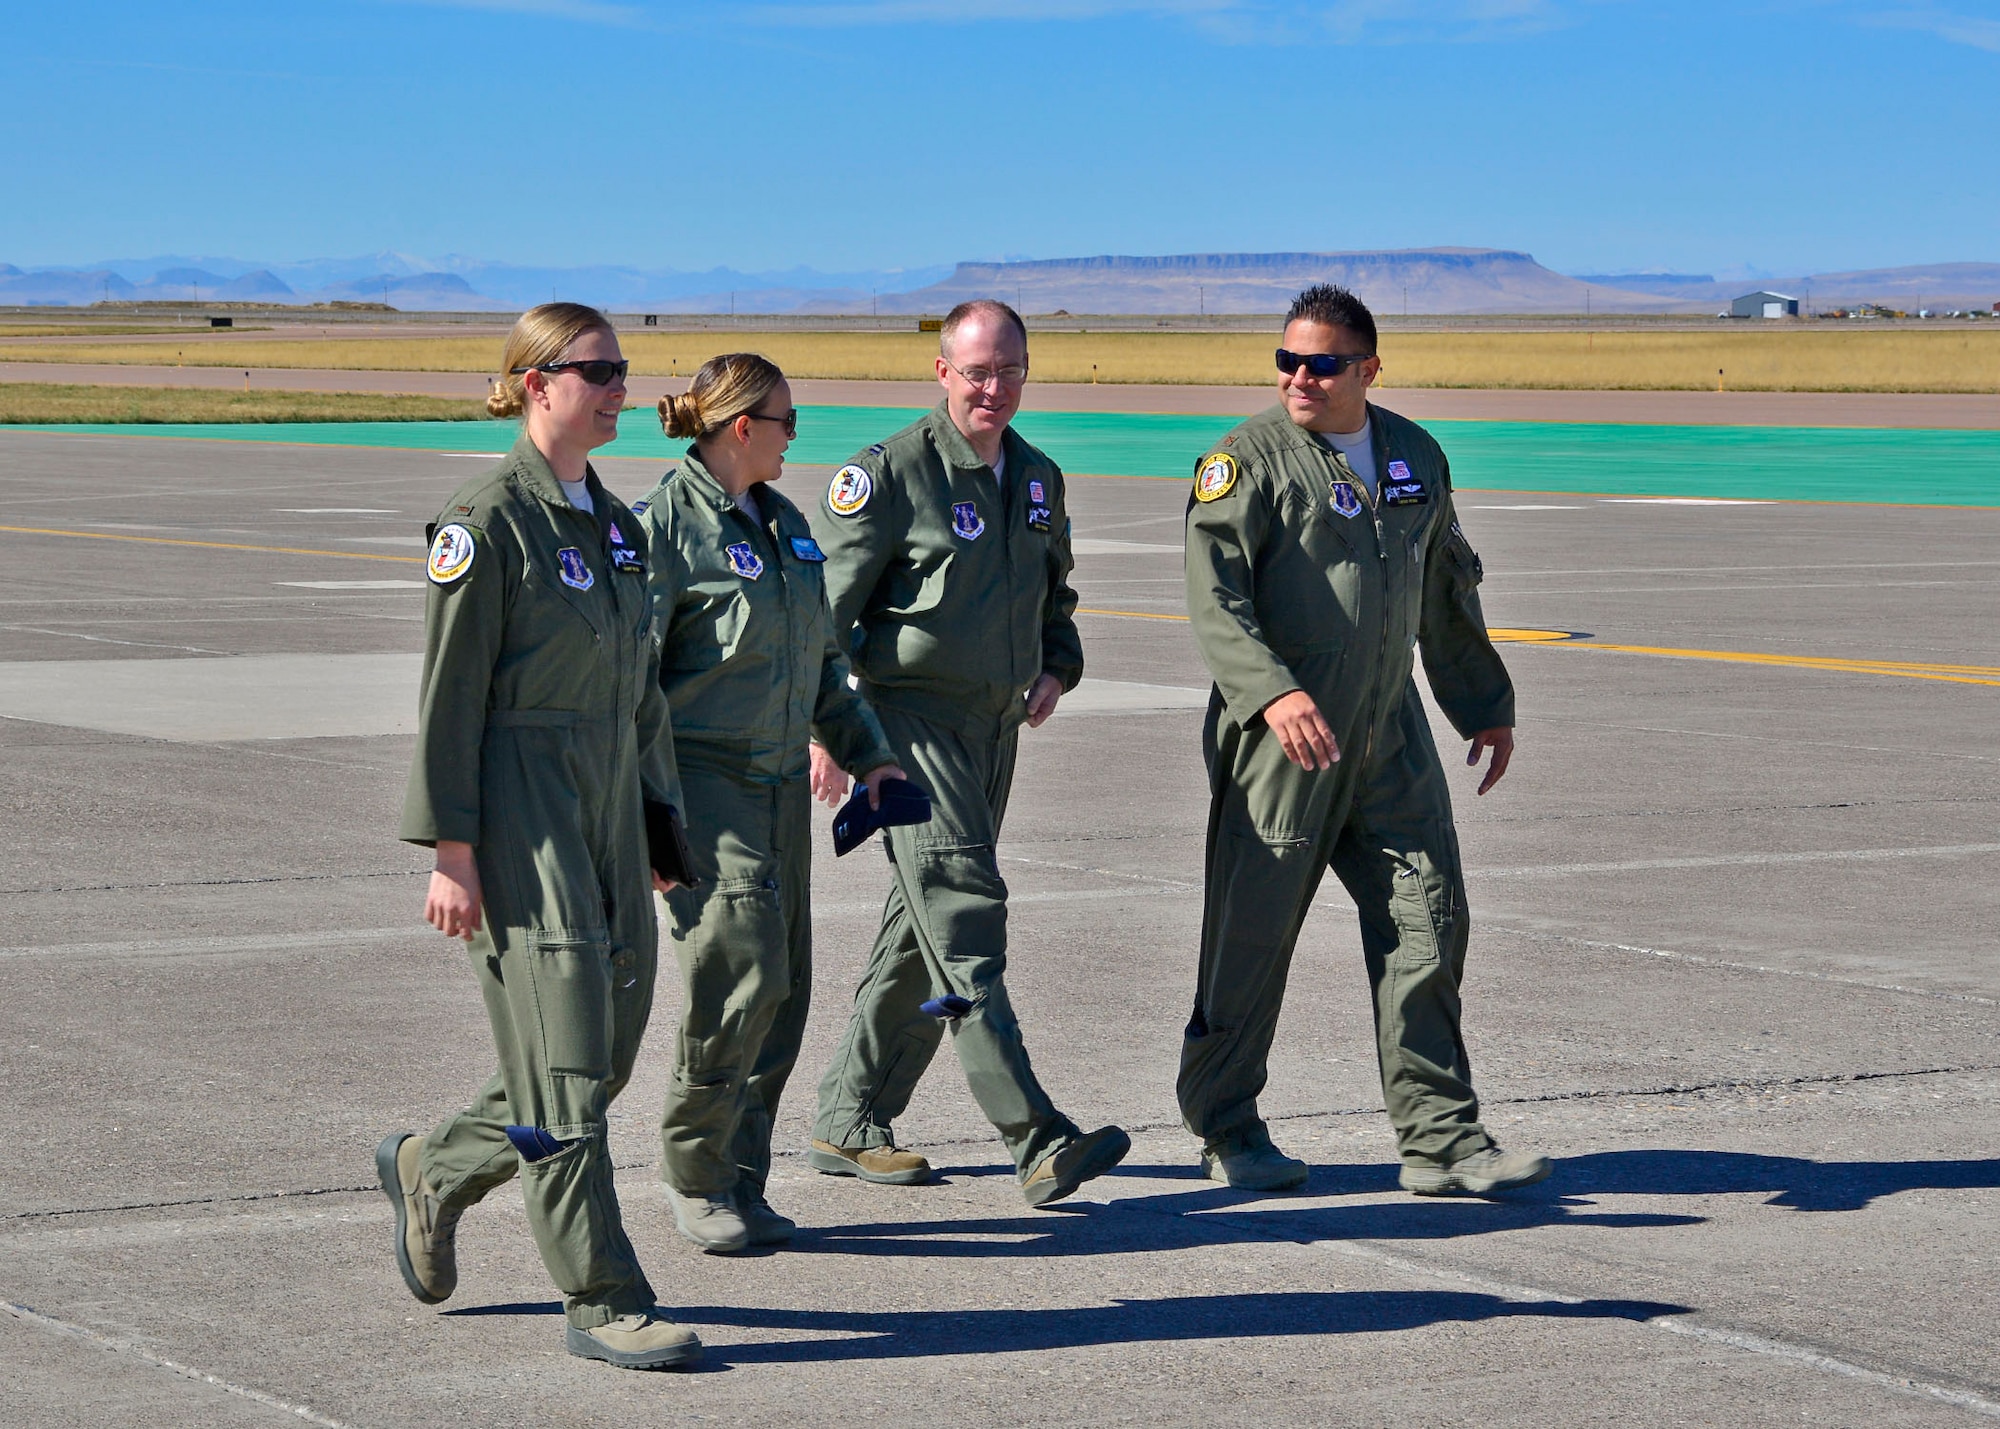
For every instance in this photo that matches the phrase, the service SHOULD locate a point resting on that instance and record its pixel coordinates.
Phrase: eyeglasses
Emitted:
(790, 419)
(598, 373)
(1319, 364)
(985, 376)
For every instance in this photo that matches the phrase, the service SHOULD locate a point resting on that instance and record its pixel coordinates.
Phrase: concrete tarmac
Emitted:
(1732, 965)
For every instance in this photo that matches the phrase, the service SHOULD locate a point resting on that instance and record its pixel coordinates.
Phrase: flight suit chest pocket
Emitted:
(570, 977)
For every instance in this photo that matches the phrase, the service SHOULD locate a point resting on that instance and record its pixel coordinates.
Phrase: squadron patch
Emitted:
(451, 555)
(850, 490)
(966, 521)
(744, 561)
(1345, 499)
(1215, 478)
(574, 572)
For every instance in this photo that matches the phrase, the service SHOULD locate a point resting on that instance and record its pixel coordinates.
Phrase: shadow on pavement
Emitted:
(873, 1335)
(1800, 1184)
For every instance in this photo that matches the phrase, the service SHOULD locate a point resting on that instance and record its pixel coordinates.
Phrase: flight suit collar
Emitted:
(538, 477)
(953, 446)
(702, 482)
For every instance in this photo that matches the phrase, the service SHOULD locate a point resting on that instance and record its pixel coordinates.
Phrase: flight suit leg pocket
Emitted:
(1423, 902)
(733, 970)
(572, 976)
(1264, 881)
(961, 914)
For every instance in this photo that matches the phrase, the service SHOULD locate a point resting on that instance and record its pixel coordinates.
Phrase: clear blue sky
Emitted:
(1786, 135)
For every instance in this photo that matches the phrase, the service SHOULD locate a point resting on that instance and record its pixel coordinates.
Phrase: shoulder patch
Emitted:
(850, 490)
(452, 550)
(1216, 477)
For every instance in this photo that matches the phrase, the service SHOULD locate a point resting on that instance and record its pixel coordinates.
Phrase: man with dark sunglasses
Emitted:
(1322, 555)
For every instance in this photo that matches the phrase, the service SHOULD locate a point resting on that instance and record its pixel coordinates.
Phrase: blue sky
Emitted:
(1783, 137)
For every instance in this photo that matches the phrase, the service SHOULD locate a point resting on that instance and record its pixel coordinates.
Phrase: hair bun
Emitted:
(681, 416)
(502, 401)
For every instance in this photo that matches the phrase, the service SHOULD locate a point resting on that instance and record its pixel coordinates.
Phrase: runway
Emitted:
(1732, 965)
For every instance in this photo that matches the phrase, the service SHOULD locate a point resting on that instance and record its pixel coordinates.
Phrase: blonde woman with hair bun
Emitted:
(750, 669)
(542, 734)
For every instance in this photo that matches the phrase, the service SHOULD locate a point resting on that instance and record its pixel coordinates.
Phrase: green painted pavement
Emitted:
(1927, 468)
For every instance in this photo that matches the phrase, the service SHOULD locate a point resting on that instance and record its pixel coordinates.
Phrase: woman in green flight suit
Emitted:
(751, 669)
(541, 733)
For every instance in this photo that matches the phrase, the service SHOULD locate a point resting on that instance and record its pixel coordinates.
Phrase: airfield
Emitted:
(1732, 966)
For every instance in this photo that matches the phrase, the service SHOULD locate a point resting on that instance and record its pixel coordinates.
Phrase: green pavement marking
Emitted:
(1871, 465)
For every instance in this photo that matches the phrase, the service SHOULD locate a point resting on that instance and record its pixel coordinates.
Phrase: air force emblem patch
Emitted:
(1345, 499)
(575, 574)
(744, 561)
(966, 521)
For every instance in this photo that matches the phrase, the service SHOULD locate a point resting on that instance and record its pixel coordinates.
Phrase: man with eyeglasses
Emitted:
(1322, 555)
(947, 570)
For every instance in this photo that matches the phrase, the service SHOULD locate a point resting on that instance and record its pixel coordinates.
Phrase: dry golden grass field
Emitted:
(62, 402)
(1814, 357)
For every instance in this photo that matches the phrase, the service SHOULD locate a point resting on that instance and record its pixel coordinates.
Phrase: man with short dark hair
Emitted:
(947, 570)
(1322, 554)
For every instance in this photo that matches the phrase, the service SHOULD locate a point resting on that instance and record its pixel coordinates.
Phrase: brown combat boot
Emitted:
(1084, 1159)
(637, 1342)
(426, 1230)
(886, 1164)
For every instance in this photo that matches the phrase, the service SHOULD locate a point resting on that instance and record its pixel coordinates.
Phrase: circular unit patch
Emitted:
(851, 488)
(451, 553)
(1216, 478)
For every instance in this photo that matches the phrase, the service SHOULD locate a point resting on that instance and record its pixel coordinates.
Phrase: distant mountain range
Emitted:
(1412, 280)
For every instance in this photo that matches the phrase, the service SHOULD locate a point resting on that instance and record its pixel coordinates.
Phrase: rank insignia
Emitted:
(745, 562)
(1345, 500)
(1036, 494)
(807, 549)
(639, 507)
(966, 521)
(575, 574)
(1215, 478)
(850, 490)
(451, 555)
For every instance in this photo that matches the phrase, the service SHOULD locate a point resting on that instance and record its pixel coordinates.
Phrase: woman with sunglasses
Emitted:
(750, 668)
(542, 732)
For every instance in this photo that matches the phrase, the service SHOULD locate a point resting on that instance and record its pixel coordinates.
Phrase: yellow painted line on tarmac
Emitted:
(208, 545)
(1575, 640)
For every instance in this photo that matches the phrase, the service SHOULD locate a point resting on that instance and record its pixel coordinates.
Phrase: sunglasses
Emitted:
(790, 419)
(597, 373)
(1319, 364)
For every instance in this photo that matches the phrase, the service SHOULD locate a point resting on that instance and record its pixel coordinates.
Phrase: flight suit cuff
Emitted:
(1246, 702)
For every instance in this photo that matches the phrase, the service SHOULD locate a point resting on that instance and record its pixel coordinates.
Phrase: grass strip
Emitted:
(53, 403)
(1805, 357)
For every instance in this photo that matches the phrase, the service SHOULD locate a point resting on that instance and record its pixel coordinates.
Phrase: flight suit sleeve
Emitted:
(465, 621)
(1466, 673)
(1224, 535)
(1062, 645)
(842, 721)
(859, 543)
(659, 775)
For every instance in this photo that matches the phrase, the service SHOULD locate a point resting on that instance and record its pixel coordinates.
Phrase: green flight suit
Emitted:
(541, 726)
(1297, 580)
(954, 585)
(750, 667)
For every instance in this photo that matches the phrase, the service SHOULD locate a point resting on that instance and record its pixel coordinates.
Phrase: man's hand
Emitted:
(1501, 742)
(1042, 697)
(829, 780)
(664, 885)
(452, 905)
(873, 779)
(1302, 731)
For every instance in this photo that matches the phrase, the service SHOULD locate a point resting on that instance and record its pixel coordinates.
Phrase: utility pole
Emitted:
(1201, 300)
(1406, 300)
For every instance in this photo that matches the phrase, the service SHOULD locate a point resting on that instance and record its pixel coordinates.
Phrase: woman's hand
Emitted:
(829, 780)
(453, 904)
